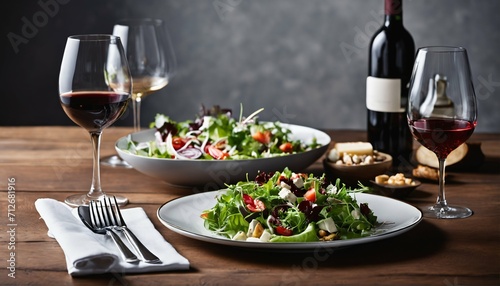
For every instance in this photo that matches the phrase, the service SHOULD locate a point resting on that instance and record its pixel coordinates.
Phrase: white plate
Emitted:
(182, 215)
(214, 174)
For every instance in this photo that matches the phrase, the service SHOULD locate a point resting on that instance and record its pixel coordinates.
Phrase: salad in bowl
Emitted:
(216, 149)
(216, 135)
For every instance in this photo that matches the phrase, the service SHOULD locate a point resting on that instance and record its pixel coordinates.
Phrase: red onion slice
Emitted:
(190, 153)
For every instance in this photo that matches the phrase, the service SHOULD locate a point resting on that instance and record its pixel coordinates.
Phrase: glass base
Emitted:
(438, 211)
(83, 200)
(115, 161)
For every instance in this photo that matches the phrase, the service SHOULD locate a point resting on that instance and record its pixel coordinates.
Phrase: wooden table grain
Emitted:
(54, 162)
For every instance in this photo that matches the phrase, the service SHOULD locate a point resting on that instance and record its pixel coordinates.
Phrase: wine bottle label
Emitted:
(383, 94)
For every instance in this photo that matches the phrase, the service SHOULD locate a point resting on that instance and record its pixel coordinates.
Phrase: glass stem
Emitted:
(95, 189)
(441, 199)
(137, 113)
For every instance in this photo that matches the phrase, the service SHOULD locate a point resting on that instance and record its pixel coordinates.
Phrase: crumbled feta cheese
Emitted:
(240, 235)
(285, 185)
(266, 236)
(160, 120)
(297, 180)
(328, 224)
(332, 190)
(286, 194)
(356, 214)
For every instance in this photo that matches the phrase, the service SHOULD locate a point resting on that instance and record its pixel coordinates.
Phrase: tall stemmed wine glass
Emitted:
(442, 112)
(94, 90)
(150, 56)
(151, 60)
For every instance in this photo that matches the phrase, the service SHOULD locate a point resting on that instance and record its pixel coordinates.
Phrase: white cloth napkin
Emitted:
(90, 253)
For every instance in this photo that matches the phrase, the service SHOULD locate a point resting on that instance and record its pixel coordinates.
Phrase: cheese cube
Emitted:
(286, 194)
(240, 236)
(328, 224)
(297, 180)
(266, 236)
(251, 227)
(354, 148)
(285, 185)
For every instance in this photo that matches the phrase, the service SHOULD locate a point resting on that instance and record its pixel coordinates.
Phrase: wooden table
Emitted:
(56, 161)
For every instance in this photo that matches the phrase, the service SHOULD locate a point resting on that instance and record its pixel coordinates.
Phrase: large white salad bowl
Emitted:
(213, 174)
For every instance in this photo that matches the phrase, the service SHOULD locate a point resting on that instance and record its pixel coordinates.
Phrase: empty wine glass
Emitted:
(442, 112)
(151, 60)
(94, 90)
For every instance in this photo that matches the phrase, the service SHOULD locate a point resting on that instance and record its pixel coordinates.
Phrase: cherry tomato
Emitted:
(252, 208)
(262, 137)
(178, 142)
(247, 199)
(281, 230)
(310, 195)
(286, 147)
(253, 205)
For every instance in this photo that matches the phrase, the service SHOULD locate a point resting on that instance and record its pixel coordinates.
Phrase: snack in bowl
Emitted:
(396, 186)
(395, 180)
(175, 156)
(289, 207)
(355, 162)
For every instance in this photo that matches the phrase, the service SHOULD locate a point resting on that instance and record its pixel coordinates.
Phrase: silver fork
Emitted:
(118, 222)
(99, 224)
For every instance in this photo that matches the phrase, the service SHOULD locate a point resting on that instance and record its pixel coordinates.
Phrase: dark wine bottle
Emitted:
(391, 57)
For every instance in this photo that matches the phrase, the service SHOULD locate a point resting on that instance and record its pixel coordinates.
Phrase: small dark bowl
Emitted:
(393, 191)
(354, 174)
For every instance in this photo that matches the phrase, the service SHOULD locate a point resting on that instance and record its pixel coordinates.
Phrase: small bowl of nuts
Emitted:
(395, 186)
(355, 162)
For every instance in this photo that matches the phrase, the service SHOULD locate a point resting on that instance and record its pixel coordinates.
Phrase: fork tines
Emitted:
(96, 217)
(104, 213)
(110, 211)
(113, 218)
(118, 211)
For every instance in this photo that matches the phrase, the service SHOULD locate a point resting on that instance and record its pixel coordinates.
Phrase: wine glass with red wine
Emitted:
(94, 91)
(442, 112)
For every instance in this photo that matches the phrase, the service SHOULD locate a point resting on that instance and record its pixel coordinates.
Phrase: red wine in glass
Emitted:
(94, 110)
(441, 136)
(94, 90)
(442, 112)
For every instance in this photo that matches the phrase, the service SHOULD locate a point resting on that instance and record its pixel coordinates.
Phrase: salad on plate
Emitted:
(216, 135)
(289, 207)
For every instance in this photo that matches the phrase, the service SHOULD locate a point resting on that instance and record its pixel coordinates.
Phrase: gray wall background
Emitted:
(304, 61)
